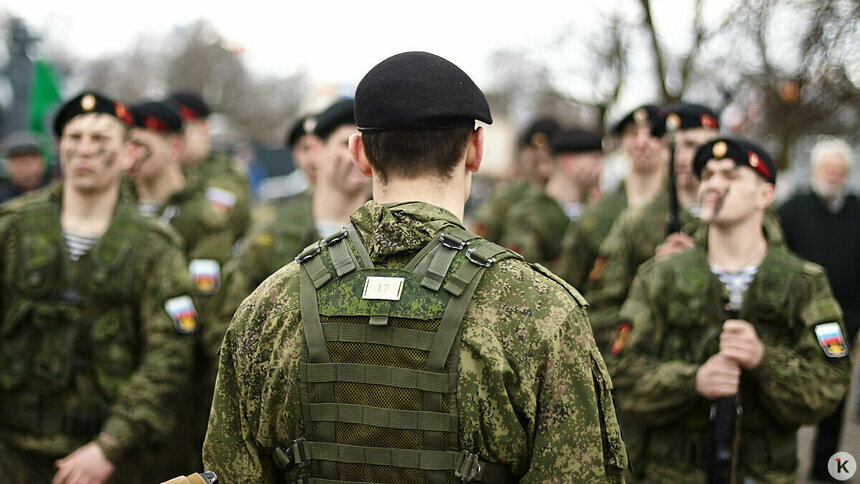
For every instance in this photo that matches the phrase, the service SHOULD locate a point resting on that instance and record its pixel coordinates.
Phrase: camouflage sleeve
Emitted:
(649, 390)
(576, 257)
(576, 430)
(223, 305)
(236, 183)
(535, 231)
(141, 412)
(800, 384)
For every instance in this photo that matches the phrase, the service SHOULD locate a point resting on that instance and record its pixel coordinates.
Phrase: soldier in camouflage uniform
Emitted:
(530, 175)
(95, 314)
(581, 244)
(276, 240)
(225, 185)
(640, 233)
(536, 225)
(475, 366)
(782, 356)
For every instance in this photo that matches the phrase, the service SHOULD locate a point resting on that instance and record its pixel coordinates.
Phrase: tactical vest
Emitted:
(69, 336)
(379, 362)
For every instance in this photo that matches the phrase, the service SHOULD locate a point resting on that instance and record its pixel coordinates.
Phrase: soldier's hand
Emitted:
(673, 244)
(86, 465)
(718, 377)
(739, 341)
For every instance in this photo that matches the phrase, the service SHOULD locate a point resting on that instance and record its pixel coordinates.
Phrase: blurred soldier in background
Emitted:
(304, 146)
(581, 243)
(96, 315)
(823, 225)
(26, 165)
(532, 169)
(638, 231)
(782, 358)
(226, 186)
(536, 223)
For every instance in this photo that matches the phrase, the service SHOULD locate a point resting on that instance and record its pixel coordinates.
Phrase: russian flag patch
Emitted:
(830, 339)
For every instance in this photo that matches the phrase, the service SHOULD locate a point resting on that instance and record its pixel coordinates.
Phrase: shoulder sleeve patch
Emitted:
(206, 275)
(570, 289)
(829, 336)
(622, 332)
(183, 313)
(220, 198)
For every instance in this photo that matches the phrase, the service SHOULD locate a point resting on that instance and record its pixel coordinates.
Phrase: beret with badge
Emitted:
(575, 141)
(156, 116)
(338, 114)
(418, 91)
(643, 115)
(300, 127)
(742, 152)
(539, 133)
(90, 102)
(684, 116)
(189, 105)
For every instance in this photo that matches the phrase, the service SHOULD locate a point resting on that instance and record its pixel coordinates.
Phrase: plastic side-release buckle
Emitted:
(469, 467)
(474, 258)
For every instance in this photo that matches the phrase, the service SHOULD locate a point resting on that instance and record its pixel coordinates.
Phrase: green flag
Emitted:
(44, 95)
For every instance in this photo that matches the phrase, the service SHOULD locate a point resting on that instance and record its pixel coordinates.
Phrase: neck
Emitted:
(441, 193)
(642, 187)
(737, 247)
(88, 213)
(160, 189)
(333, 205)
(563, 191)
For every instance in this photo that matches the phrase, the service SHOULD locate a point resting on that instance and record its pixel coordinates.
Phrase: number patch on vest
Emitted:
(387, 288)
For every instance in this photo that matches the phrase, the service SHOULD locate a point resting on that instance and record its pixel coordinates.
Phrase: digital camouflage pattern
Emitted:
(491, 217)
(272, 243)
(632, 240)
(90, 340)
(533, 392)
(535, 227)
(581, 244)
(676, 308)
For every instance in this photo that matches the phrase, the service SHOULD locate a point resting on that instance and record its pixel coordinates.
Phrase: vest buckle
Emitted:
(451, 242)
(335, 237)
(296, 453)
(309, 253)
(473, 258)
(469, 467)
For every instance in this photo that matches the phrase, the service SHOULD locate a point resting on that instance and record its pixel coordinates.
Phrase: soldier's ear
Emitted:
(475, 149)
(359, 158)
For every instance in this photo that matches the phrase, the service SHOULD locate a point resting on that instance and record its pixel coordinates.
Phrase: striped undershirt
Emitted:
(148, 209)
(78, 245)
(736, 282)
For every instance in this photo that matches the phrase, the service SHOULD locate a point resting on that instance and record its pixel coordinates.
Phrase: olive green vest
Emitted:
(379, 364)
(69, 336)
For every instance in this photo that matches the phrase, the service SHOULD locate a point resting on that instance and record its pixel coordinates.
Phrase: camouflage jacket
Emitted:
(113, 346)
(492, 215)
(226, 187)
(676, 309)
(533, 392)
(535, 227)
(581, 243)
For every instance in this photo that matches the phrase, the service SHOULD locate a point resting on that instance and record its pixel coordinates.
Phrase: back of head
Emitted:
(415, 111)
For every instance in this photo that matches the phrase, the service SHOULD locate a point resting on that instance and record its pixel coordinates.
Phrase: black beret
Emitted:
(21, 143)
(539, 133)
(642, 115)
(743, 152)
(189, 105)
(340, 113)
(90, 102)
(157, 116)
(418, 90)
(575, 141)
(685, 116)
(300, 127)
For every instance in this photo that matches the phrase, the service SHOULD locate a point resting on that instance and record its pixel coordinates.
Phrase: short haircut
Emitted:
(829, 146)
(413, 153)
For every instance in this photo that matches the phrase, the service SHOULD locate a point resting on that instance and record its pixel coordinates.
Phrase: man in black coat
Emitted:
(823, 225)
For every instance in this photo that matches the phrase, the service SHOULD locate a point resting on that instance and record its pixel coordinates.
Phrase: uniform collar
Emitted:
(392, 228)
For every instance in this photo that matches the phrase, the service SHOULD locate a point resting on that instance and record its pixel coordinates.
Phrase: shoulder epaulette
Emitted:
(570, 289)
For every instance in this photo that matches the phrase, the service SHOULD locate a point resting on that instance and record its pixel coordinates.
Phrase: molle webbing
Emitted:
(379, 371)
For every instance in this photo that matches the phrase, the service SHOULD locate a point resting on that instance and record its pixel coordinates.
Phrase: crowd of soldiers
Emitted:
(142, 303)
